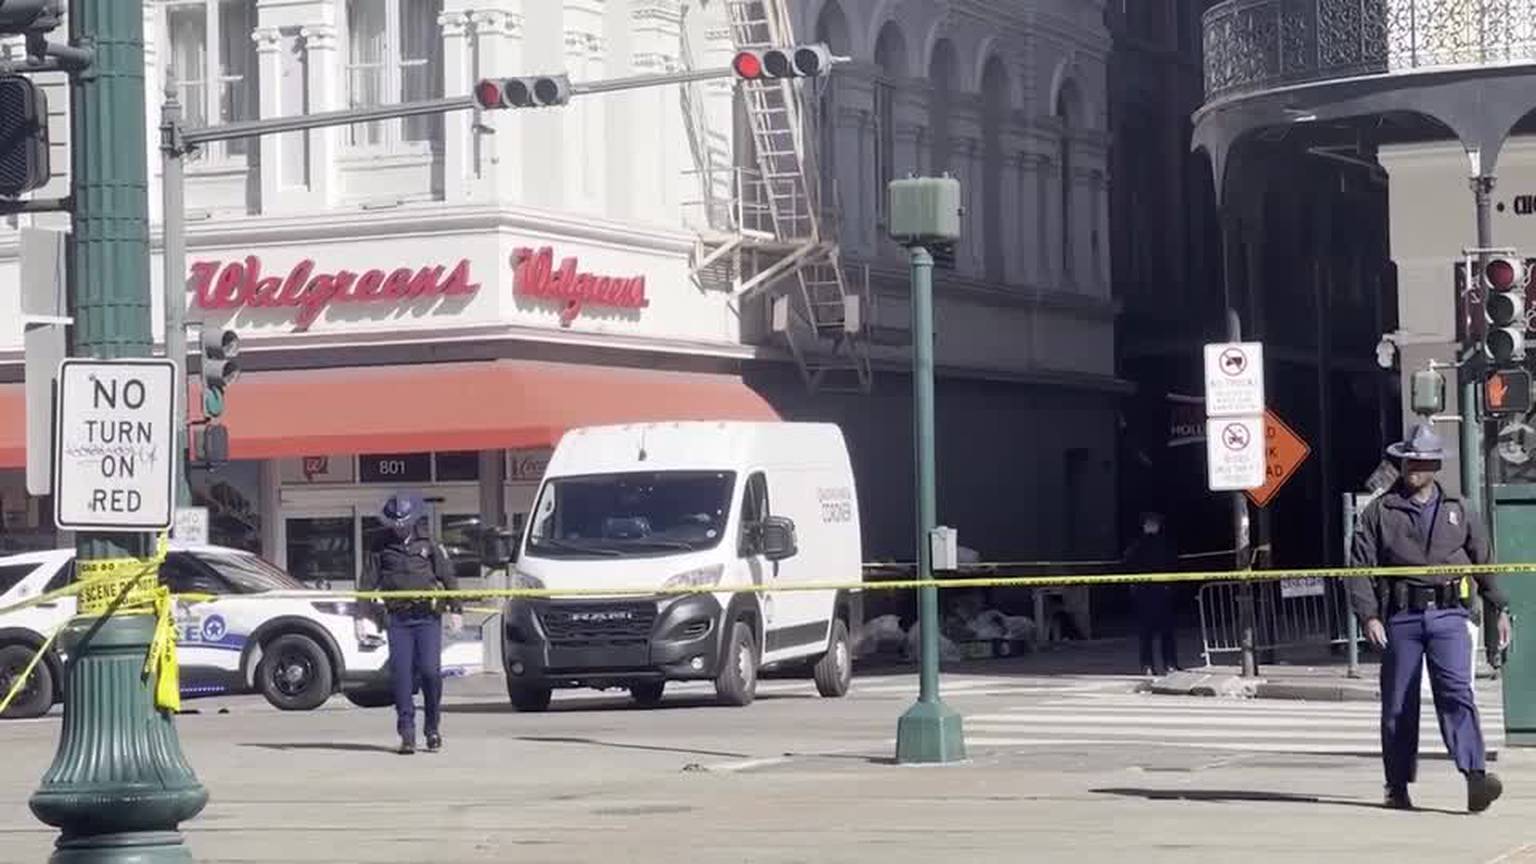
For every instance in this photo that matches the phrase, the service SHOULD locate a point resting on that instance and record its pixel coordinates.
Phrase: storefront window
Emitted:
(461, 539)
(321, 549)
(232, 494)
(26, 521)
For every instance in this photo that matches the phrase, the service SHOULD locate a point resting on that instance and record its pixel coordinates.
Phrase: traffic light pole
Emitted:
(119, 785)
(1474, 479)
(174, 267)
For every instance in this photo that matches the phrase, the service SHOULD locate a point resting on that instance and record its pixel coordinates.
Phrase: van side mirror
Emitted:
(498, 547)
(778, 538)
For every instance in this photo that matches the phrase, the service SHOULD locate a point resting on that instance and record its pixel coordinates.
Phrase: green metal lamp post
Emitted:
(119, 785)
(926, 210)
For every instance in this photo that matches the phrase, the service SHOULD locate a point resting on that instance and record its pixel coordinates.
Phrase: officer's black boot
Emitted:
(407, 745)
(1397, 798)
(434, 742)
(1482, 790)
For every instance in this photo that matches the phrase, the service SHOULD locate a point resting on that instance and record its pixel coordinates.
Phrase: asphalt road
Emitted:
(1078, 768)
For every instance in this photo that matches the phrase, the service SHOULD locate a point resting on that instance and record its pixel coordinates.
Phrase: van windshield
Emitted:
(631, 514)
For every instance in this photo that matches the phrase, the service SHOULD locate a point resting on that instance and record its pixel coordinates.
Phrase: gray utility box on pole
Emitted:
(925, 210)
(44, 316)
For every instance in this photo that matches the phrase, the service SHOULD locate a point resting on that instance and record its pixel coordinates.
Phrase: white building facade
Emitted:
(568, 248)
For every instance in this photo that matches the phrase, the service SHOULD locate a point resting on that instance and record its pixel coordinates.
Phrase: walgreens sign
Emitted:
(235, 285)
(534, 275)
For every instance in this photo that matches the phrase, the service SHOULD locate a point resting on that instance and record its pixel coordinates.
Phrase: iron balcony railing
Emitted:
(1257, 45)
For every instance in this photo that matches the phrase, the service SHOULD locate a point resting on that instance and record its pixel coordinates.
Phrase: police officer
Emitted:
(1424, 618)
(406, 560)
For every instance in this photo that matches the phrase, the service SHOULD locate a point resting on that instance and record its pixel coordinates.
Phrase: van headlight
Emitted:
(525, 582)
(704, 577)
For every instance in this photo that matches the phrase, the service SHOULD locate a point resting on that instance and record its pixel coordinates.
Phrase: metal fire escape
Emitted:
(779, 235)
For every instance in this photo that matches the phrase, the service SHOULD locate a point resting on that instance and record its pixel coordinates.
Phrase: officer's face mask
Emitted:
(1417, 474)
(403, 532)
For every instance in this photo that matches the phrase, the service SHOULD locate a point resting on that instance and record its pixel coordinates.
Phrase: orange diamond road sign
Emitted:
(1284, 452)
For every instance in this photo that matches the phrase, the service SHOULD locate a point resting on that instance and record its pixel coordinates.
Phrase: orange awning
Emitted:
(443, 406)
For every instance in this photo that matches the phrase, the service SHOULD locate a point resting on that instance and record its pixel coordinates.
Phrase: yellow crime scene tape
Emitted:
(112, 586)
(129, 584)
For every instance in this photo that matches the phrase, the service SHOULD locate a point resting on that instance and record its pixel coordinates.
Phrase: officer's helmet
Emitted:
(403, 511)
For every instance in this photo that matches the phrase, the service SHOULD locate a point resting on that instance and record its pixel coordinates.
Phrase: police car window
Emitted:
(62, 578)
(250, 574)
(12, 574)
(184, 577)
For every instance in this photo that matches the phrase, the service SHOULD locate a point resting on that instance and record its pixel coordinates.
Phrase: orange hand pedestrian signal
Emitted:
(1508, 391)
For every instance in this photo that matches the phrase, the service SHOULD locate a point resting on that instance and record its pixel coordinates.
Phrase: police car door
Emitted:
(206, 649)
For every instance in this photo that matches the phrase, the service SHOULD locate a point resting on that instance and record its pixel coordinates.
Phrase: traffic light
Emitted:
(1504, 278)
(1507, 391)
(796, 61)
(219, 367)
(24, 164)
(536, 91)
(29, 16)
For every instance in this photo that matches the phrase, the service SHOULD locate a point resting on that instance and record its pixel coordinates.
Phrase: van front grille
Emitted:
(608, 622)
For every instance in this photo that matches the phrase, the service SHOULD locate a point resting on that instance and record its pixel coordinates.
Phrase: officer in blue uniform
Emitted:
(407, 560)
(1415, 619)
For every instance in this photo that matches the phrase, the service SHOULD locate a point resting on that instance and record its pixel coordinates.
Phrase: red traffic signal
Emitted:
(538, 91)
(1505, 274)
(797, 61)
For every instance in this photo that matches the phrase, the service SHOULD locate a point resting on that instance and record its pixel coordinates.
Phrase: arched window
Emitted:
(994, 118)
(1068, 112)
(891, 60)
(942, 75)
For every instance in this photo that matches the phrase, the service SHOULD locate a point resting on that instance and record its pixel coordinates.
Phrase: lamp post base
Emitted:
(138, 847)
(929, 732)
(119, 785)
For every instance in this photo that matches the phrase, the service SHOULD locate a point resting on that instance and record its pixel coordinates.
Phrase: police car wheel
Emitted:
(834, 671)
(295, 674)
(36, 696)
(528, 697)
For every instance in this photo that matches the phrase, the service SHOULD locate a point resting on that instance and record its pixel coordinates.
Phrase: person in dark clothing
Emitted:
(1154, 552)
(1415, 619)
(407, 560)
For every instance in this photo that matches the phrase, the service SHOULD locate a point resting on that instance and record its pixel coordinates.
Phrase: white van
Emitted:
(628, 510)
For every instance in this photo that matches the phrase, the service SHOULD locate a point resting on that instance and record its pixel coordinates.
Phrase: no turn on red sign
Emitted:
(114, 442)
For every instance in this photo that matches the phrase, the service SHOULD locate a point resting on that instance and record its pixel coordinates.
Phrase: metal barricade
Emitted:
(1288, 613)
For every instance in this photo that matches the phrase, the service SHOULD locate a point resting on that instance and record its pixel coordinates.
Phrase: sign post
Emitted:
(1236, 453)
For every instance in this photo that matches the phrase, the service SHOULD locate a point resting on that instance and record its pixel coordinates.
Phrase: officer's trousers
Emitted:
(415, 654)
(1436, 638)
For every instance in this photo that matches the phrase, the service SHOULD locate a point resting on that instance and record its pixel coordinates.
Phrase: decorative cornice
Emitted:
(268, 40)
(496, 22)
(454, 24)
(319, 37)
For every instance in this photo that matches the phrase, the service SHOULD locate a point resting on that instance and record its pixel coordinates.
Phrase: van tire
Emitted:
(295, 673)
(834, 671)
(647, 694)
(529, 698)
(736, 685)
(36, 697)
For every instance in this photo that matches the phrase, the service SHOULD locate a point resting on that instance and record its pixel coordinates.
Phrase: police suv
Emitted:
(296, 649)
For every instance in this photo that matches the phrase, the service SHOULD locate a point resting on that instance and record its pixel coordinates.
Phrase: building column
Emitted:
(1047, 214)
(459, 183)
(326, 93)
(1013, 212)
(496, 144)
(269, 71)
(650, 152)
(850, 166)
(1098, 233)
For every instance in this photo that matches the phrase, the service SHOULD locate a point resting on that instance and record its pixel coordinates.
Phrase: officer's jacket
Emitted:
(417, 564)
(1387, 534)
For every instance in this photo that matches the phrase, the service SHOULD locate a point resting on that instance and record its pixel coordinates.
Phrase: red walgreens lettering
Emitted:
(236, 284)
(533, 275)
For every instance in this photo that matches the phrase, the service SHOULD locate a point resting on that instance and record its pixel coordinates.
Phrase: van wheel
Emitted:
(834, 671)
(736, 685)
(529, 698)
(36, 696)
(647, 694)
(295, 674)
